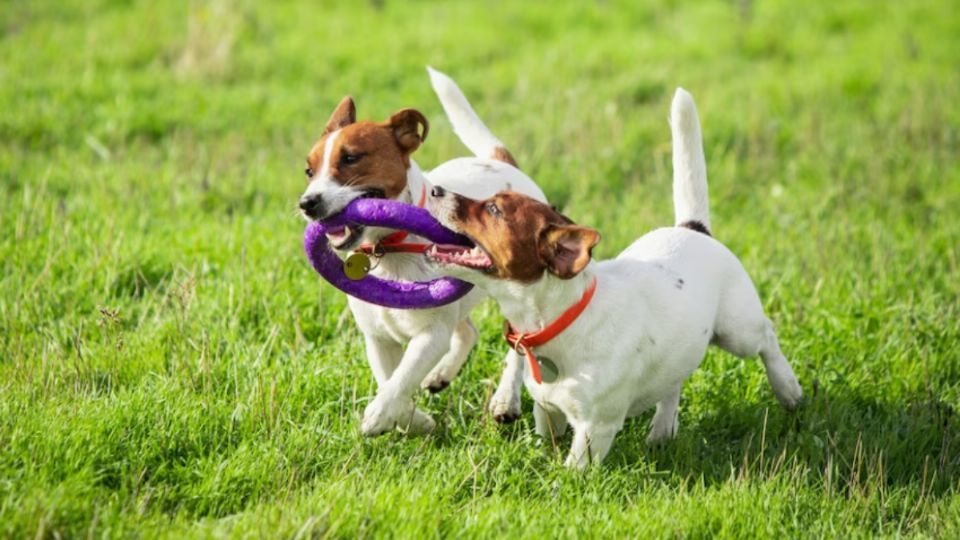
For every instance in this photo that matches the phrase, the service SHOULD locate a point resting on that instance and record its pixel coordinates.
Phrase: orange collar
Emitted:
(393, 243)
(525, 342)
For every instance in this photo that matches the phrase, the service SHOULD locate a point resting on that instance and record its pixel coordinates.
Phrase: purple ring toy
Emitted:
(392, 294)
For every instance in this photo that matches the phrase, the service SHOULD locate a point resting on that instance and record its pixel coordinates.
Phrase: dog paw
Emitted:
(376, 423)
(578, 463)
(785, 387)
(504, 411)
(435, 384)
(789, 394)
(661, 433)
(420, 424)
(441, 376)
(383, 414)
(657, 439)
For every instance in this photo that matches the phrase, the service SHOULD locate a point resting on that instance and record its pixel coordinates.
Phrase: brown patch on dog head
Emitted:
(525, 237)
(368, 155)
(502, 154)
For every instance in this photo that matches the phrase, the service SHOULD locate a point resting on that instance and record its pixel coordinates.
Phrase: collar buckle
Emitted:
(525, 342)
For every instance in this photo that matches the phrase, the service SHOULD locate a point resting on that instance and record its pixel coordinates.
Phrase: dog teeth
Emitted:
(473, 257)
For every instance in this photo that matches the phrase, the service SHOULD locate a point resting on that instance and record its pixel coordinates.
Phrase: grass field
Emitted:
(170, 365)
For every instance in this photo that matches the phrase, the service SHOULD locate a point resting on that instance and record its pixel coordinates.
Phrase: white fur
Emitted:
(327, 150)
(438, 340)
(690, 198)
(466, 124)
(657, 307)
(465, 176)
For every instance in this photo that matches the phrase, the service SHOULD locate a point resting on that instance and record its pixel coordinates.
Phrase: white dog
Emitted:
(367, 159)
(613, 338)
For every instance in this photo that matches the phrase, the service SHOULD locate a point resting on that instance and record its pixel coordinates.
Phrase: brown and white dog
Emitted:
(622, 335)
(372, 159)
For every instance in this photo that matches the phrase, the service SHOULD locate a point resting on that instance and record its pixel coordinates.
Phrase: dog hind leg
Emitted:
(779, 372)
(743, 329)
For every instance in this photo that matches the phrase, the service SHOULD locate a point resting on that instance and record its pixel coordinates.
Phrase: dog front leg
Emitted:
(462, 341)
(547, 424)
(383, 355)
(591, 443)
(393, 405)
(666, 420)
(505, 403)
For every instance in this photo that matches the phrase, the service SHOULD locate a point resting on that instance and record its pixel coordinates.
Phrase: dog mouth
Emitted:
(344, 237)
(474, 257)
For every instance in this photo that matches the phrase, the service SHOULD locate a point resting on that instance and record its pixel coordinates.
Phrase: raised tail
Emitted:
(691, 204)
(466, 124)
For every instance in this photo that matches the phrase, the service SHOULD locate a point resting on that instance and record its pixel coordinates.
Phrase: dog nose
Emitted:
(312, 206)
(438, 191)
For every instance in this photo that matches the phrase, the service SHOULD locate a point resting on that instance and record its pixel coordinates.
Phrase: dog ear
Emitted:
(565, 249)
(405, 124)
(344, 115)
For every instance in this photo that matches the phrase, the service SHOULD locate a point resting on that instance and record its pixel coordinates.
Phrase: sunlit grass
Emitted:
(170, 365)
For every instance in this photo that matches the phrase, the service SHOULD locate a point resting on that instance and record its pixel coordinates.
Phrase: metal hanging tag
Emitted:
(549, 372)
(357, 266)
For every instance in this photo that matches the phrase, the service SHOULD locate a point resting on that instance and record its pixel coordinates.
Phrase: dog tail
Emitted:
(690, 201)
(466, 124)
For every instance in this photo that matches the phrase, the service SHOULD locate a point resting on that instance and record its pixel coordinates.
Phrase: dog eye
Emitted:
(309, 172)
(493, 210)
(350, 159)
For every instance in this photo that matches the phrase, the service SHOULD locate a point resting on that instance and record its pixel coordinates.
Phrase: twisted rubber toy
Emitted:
(392, 294)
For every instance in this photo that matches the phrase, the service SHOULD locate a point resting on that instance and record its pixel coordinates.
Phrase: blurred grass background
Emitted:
(170, 365)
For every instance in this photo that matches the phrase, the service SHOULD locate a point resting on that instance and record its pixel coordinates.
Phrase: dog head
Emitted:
(518, 239)
(354, 159)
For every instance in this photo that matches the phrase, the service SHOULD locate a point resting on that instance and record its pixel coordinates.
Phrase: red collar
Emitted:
(393, 243)
(525, 342)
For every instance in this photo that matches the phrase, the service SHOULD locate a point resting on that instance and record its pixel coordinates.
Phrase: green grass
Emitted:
(170, 365)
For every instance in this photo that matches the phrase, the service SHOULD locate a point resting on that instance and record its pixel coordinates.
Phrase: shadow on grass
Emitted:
(839, 442)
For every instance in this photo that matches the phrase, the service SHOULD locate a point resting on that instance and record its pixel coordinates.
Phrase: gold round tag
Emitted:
(549, 371)
(357, 266)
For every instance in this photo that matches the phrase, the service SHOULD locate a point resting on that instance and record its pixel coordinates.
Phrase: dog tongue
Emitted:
(338, 233)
